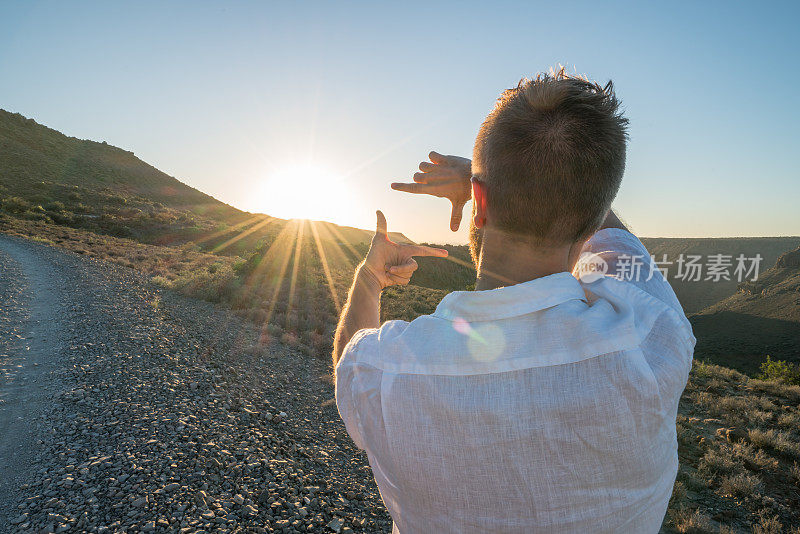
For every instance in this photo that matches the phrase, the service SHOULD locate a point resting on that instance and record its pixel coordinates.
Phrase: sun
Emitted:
(305, 191)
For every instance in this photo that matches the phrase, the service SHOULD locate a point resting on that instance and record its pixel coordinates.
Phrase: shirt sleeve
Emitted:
(626, 258)
(349, 372)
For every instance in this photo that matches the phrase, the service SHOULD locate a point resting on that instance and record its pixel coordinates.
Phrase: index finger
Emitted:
(436, 157)
(410, 188)
(422, 250)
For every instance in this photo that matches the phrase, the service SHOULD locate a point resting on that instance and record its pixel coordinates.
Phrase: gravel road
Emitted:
(125, 408)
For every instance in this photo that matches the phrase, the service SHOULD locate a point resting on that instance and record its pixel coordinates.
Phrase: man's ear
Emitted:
(479, 200)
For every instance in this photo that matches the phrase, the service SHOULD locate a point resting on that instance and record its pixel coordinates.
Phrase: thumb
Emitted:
(455, 215)
(381, 229)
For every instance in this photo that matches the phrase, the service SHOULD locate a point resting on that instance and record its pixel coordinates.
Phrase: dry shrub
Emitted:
(688, 521)
(782, 442)
(718, 462)
(290, 339)
(790, 420)
(795, 473)
(767, 525)
(753, 457)
(739, 485)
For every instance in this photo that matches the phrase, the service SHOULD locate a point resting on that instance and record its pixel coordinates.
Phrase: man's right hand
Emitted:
(446, 177)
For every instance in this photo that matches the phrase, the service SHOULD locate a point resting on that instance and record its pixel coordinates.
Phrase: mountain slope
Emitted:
(762, 318)
(50, 177)
(695, 296)
(31, 153)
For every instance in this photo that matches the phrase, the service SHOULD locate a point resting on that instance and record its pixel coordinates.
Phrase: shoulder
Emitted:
(365, 345)
(649, 310)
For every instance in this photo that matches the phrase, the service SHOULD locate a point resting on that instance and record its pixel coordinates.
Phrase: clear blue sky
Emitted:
(223, 95)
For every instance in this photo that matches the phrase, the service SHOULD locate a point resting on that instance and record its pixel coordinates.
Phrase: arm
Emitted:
(362, 310)
(387, 263)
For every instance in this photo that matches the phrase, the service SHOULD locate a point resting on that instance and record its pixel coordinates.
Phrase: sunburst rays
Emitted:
(229, 229)
(267, 220)
(326, 268)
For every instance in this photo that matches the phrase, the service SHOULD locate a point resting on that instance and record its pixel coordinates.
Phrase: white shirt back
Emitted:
(547, 406)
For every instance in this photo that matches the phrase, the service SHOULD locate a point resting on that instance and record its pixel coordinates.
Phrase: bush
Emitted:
(80, 208)
(219, 286)
(35, 215)
(15, 205)
(62, 217)
(780, 371)
(739, 485)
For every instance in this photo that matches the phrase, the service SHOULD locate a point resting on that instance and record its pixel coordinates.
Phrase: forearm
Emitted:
(362, 310)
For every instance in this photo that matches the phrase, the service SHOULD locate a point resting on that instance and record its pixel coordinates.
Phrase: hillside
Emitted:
(50, 177)
(32, 153)
(762, 318)
(697, 295)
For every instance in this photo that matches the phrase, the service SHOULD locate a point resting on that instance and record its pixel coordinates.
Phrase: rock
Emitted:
(735, 434)
(789, 259)
(732, 435)
(171, 487)
(250, 509)
(238, 499)
(150, 526)
(264, 497)
(336, 524)
(140, 502)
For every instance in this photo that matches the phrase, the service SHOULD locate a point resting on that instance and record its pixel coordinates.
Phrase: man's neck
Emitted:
(505, 261)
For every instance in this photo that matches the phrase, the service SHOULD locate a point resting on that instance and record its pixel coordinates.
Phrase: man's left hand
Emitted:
(389, 263)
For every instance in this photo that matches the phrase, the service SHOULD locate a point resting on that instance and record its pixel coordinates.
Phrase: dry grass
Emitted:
(167, 263)
(738, 446)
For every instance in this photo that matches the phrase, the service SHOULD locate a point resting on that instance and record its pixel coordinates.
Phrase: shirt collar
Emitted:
(510, 301)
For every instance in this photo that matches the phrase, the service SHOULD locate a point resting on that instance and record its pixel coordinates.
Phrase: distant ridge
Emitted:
(762, 318)
(695, 296)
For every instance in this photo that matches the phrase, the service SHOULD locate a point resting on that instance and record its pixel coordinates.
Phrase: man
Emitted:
(543, 401)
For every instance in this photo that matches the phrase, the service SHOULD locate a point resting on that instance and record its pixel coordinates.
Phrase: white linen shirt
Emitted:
(547, 406)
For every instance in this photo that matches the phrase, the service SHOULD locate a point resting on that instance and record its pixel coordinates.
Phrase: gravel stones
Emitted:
(163, 419)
